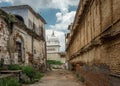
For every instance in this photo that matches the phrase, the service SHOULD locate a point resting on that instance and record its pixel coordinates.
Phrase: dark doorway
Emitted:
(19, 51)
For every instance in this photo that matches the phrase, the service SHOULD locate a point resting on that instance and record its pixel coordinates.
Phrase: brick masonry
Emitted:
(94, 42)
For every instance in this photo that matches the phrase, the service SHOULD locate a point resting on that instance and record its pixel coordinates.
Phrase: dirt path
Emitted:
(58, 78)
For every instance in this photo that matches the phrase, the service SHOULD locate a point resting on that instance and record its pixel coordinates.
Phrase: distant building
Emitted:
(25, 40)
(53, 49)
(53, 44)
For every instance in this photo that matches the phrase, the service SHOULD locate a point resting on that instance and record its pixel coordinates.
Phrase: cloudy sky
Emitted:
(57, 13)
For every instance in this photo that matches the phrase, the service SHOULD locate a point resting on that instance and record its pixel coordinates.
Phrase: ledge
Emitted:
(114, 75)
(94, 43)
(5, 75)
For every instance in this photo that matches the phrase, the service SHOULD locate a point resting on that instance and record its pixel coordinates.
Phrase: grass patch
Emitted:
(14, 67)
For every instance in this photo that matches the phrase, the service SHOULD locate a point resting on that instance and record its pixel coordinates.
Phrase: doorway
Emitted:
(20, 50)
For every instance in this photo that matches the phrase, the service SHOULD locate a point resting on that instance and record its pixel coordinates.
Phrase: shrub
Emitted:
(54, 62)
(14, 67)
(29, 71)
(9, 82)
(38, 75)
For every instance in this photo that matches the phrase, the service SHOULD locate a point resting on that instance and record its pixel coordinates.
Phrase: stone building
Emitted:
(93, 45)
(22, 39)
(53, 49)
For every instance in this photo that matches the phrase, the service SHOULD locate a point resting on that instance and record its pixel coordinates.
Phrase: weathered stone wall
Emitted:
(4, 37)
(31, 47)
(29, 55)
(93, 24)
(93, 75)
(20, 12)
(38, 51)
(96, 41)
(20, 34)
(19, 44)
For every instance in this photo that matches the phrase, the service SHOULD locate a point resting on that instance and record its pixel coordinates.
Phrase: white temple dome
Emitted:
(53, 38)
(53, 44)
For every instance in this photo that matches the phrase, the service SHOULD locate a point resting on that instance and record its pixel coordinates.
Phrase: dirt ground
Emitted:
(58, 78)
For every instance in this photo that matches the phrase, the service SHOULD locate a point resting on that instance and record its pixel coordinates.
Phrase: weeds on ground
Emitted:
(80, 78)
(9, 82)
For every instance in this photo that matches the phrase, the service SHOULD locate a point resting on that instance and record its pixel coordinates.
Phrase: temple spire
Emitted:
(53, 34)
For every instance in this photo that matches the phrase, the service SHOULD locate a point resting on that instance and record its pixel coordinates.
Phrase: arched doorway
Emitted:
(20, 50)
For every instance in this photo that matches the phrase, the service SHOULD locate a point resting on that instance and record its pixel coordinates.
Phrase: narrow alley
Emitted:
(58, 78)
(43, 41)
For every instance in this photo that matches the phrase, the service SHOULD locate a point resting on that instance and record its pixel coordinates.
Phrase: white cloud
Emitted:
(5, 1)
(63, 20)
(60, 35)
(63, 5)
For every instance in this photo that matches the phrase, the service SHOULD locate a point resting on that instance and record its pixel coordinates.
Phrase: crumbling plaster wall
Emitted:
(4, 37)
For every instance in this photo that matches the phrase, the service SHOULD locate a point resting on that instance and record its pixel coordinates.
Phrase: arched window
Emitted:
(19, 18)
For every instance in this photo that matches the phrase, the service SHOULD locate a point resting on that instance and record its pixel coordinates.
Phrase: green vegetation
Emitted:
(54, 62)
(38, 75)
(9, 82)
(14, 67)
(29, 71)
(11, 18)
